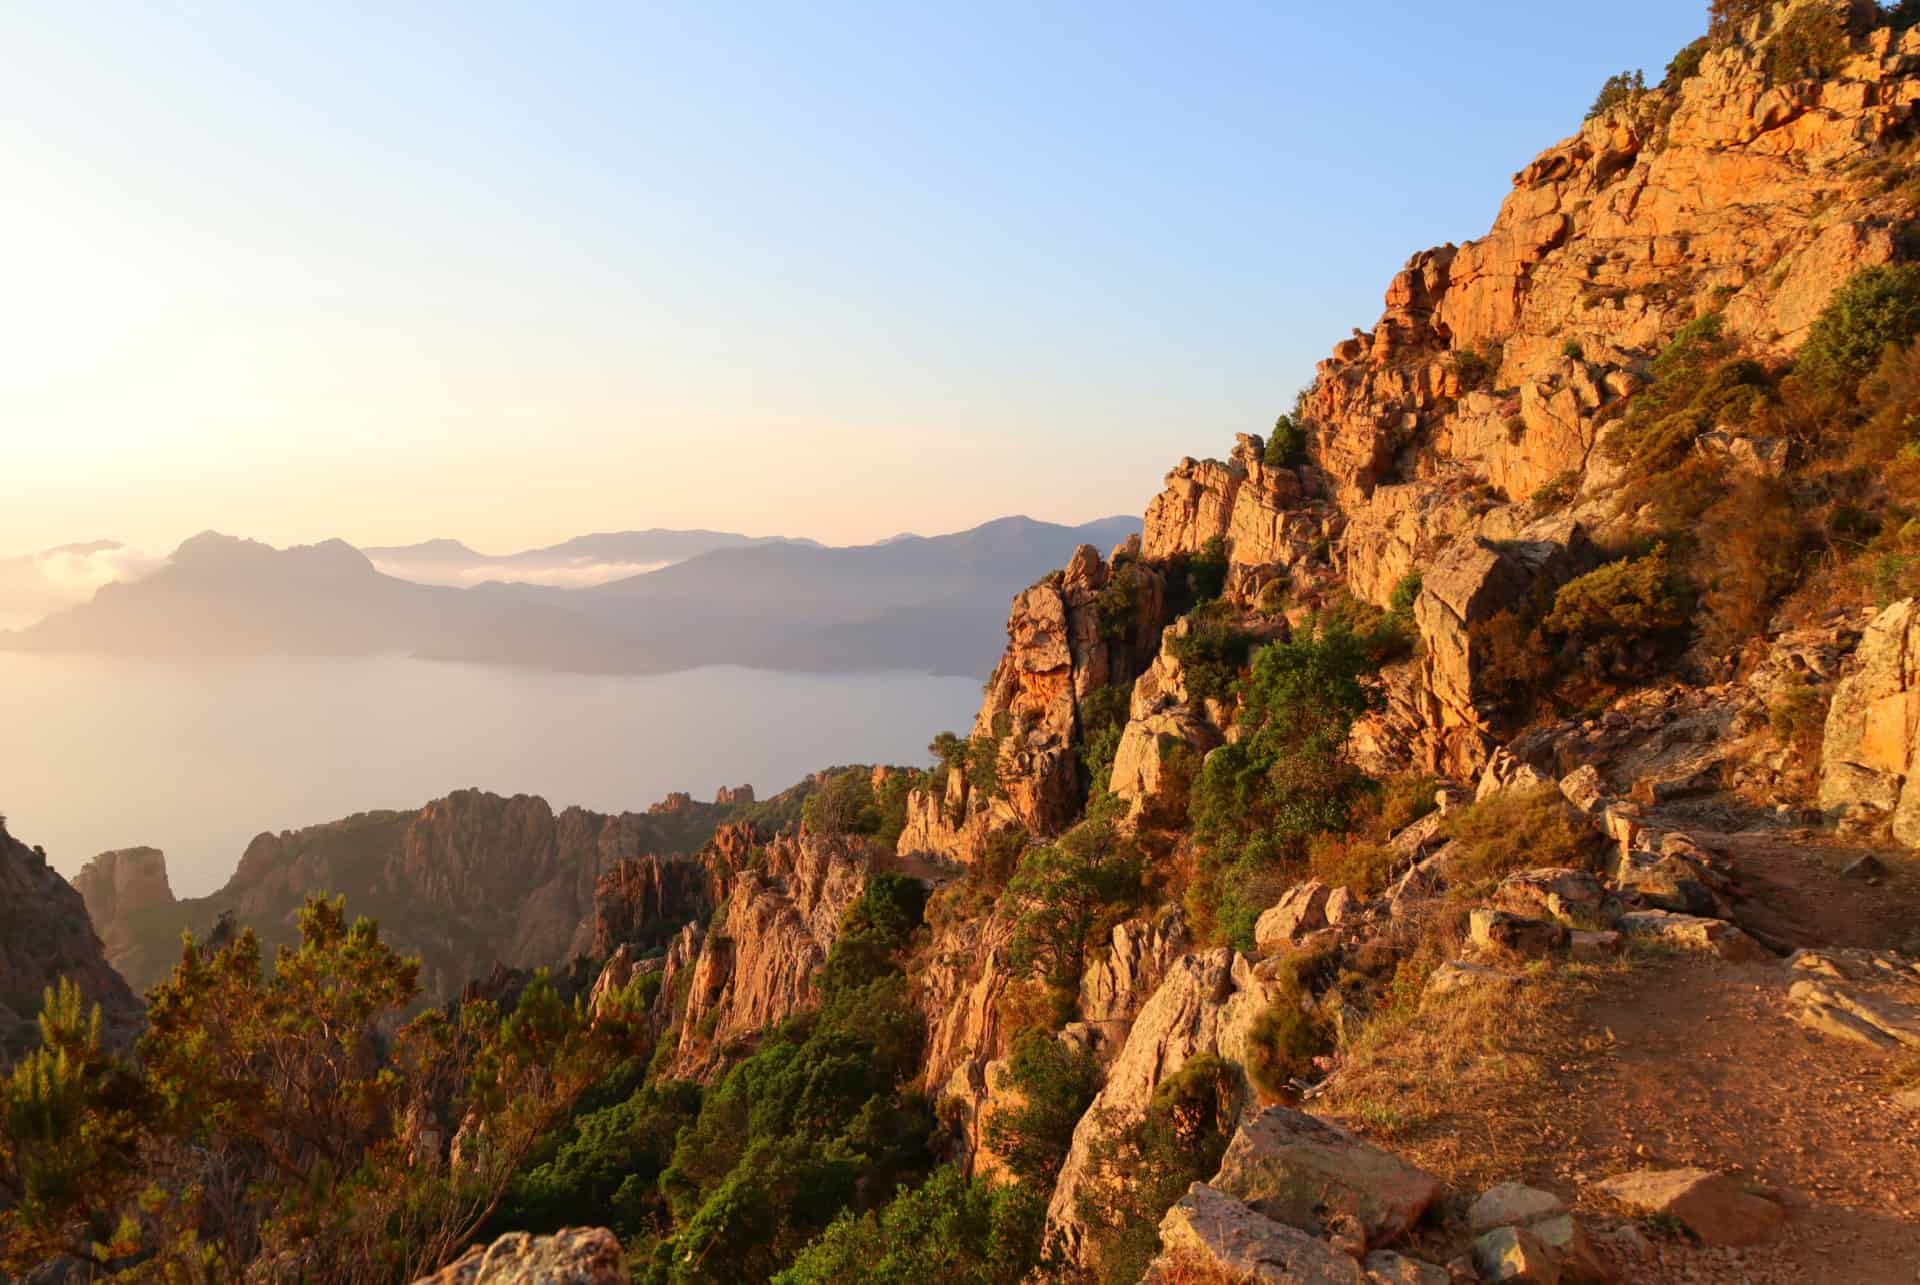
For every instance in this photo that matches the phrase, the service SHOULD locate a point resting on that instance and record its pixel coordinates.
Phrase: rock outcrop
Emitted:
(760, 963)
(45, 935)
(1868, 756)
(468, 881)
(1207, 1003)
(117, 885)
(571, 1256)
(644, 901)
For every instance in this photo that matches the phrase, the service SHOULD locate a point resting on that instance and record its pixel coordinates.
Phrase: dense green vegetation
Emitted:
(1260, 799)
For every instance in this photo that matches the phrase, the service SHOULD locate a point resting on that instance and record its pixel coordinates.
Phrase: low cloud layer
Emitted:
(37, 584)
(565, 575)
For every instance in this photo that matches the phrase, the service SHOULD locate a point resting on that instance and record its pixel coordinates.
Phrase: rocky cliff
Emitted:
(45, 935)
(759, 960)
(121, 888)
(467, 882)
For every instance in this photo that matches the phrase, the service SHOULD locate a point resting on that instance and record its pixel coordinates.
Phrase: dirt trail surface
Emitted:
(1698, 1063)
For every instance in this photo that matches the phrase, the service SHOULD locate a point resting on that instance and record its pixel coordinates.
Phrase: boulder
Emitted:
(1593, 947)
(1299, 1169)
(1492, 929)
(1384, 1267)
(1883, 1016)
(571, 1256)
(1119, 982)
(1463, 974)
(1515, 1254)
(1208, 1231)
(1711, 1205)
(1692, 933)
(1510, 1204)
(1554, 891)
(1300, 911)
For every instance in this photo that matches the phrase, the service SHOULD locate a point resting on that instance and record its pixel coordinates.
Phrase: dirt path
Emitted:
(1794, 890)
(1697, 1063)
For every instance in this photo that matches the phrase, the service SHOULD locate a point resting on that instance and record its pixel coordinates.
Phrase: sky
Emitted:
(512, 273)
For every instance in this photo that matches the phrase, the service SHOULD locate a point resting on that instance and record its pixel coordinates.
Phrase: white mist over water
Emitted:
(196, 757)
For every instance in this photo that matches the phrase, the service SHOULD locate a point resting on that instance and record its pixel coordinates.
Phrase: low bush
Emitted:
(1212, 653)
(1798, 717)
(1634, 597)
(1810, 45)
(1515, 830)
(1619, 90)
(1289, 1034)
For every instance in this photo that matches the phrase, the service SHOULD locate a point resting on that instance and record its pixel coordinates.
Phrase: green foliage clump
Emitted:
(1288, 1035)
(849, 803)
(1212, 652)
(1686, 64)
(1634, 597)
(1405, 593)
(1069, 893)
(1726, 19)
(1054, 1084)
(1103, 718)
(1475, 368)
(1698, 384)
(1207, 570)
(299, 1107)
(1619, 90)
(1798, 717)
(1811, 44)
(609, 1162)
(949, 1229)
(1259, 799)
(1287, 444)
(1116, 607)
(1877, 308)
(1556, 493)
(1515, 830)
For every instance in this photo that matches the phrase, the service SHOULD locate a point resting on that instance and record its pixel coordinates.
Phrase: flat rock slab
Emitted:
(571, 1256)
(1297, 1169)
(1869, 1015)
(1692, 932)
(1209, 1230)
(1711, 1205)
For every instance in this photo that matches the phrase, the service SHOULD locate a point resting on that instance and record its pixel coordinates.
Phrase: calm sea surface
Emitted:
(197, 757)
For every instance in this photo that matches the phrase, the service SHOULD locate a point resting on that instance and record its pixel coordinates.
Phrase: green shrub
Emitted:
(1476, 367)
(1727, 18)
(1798, 717)
(1555, 493)
(1069, 893)
(1287, 1036)
(1698, 384)
(1259, 799)
(1287, 445)
(1153, 1162)
(1207, 570)
(1572, 350)
(1878, 307)
(1406, 591)
(1619, 90)
(1054, 1085)
(1686, 64)
(1212, 652)
(1634, 596)
(1103, 718)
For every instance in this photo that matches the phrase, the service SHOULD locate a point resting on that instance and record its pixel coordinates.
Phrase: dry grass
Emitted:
(1189, 1267)
(1463, 1085)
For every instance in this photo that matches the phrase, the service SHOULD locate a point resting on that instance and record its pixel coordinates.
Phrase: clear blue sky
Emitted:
(513, 272)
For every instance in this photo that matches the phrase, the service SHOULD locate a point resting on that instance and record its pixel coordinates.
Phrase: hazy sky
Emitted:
(514, 272)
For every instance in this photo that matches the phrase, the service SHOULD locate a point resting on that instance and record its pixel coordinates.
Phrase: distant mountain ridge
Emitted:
(913, 602)
(581, 561)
